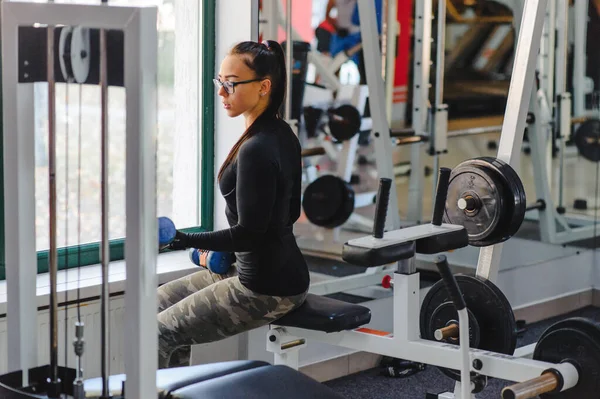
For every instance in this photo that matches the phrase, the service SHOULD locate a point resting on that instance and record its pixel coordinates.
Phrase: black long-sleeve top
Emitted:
(262, 191)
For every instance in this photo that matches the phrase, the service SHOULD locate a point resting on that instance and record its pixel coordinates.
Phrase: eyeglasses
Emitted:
(230, 86)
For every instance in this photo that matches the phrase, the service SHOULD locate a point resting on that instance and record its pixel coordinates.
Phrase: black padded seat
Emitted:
(168, 380)
(271, 382)
(325, 314)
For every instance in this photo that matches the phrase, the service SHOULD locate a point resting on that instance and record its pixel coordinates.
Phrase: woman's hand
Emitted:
(181, 241)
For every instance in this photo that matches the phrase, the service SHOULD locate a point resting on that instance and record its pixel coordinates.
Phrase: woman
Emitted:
(261, 182)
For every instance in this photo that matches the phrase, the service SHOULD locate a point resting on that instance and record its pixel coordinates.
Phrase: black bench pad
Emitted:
(443, 242)
(168, 380)
(325, 314)
(270, 382)
(370, 257)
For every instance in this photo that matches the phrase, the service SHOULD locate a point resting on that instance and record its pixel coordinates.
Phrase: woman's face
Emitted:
(248, 99)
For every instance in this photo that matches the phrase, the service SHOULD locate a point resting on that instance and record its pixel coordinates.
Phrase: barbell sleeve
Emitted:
(545, 383)
(450, 331)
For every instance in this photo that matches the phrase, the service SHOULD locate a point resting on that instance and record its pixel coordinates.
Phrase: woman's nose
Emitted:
(222, 92)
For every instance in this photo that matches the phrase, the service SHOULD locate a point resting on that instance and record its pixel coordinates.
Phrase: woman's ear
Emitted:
(265, 86)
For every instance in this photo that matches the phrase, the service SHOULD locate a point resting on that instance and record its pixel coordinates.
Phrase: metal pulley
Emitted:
(74, 53)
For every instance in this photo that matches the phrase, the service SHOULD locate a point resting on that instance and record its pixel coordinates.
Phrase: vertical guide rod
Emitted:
(104, 247)
(53, 253)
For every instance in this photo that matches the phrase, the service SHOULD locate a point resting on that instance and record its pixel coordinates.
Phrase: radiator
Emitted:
(90, 315)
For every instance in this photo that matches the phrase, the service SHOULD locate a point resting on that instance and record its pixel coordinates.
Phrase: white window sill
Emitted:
(169, 266)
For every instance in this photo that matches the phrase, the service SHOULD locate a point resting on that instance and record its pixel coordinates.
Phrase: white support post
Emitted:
(537, 140)
(421, 84)
(141, 231)
(562, 45)
(346, 158)
(19, 205)
(517, 106)
(381, 128)
(546, 57)
(269, 19)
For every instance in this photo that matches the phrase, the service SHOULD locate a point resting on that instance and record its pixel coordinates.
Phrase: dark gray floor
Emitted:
(371, 384)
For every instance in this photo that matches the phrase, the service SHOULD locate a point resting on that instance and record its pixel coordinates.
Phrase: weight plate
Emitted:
(344, 122)
(587, 139)
(445, 315)
(489, 306)
(328, 201)
(576, 340)
(515, 199)
(80, 53)
(487, 197)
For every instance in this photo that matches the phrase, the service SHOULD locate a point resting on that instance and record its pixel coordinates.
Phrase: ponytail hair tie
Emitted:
(266, 44)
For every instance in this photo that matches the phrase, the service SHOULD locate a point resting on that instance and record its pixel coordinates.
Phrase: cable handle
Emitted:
(440, 196)
(381, 206)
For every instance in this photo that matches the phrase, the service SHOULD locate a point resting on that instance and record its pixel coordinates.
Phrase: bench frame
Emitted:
(404, 342)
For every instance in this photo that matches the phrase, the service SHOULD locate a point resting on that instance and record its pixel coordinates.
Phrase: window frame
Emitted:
(89, 253)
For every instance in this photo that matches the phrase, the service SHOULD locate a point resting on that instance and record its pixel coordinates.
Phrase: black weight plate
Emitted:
(497, 201)
(328, 201)
(344, 122)
(587, 139)
(515, 200)
(470, 180)
(577, 340)
(489, 306)
(446, 314)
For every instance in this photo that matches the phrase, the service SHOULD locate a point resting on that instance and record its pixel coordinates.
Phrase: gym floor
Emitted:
(580, 182)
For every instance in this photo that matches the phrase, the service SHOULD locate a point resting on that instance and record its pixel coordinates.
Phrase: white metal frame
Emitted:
(404, 343)
(139, 27)
(580, 57)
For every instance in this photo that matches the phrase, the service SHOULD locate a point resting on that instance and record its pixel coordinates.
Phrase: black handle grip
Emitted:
(381, 206)
(440, 196)
(450, 282)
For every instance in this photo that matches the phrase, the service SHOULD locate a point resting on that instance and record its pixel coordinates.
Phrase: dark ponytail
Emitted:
(267, 60)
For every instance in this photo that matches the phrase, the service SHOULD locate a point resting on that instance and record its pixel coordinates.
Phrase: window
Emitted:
(184, 142)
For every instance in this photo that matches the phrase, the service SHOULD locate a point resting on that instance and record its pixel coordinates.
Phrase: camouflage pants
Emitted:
(206, 307)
